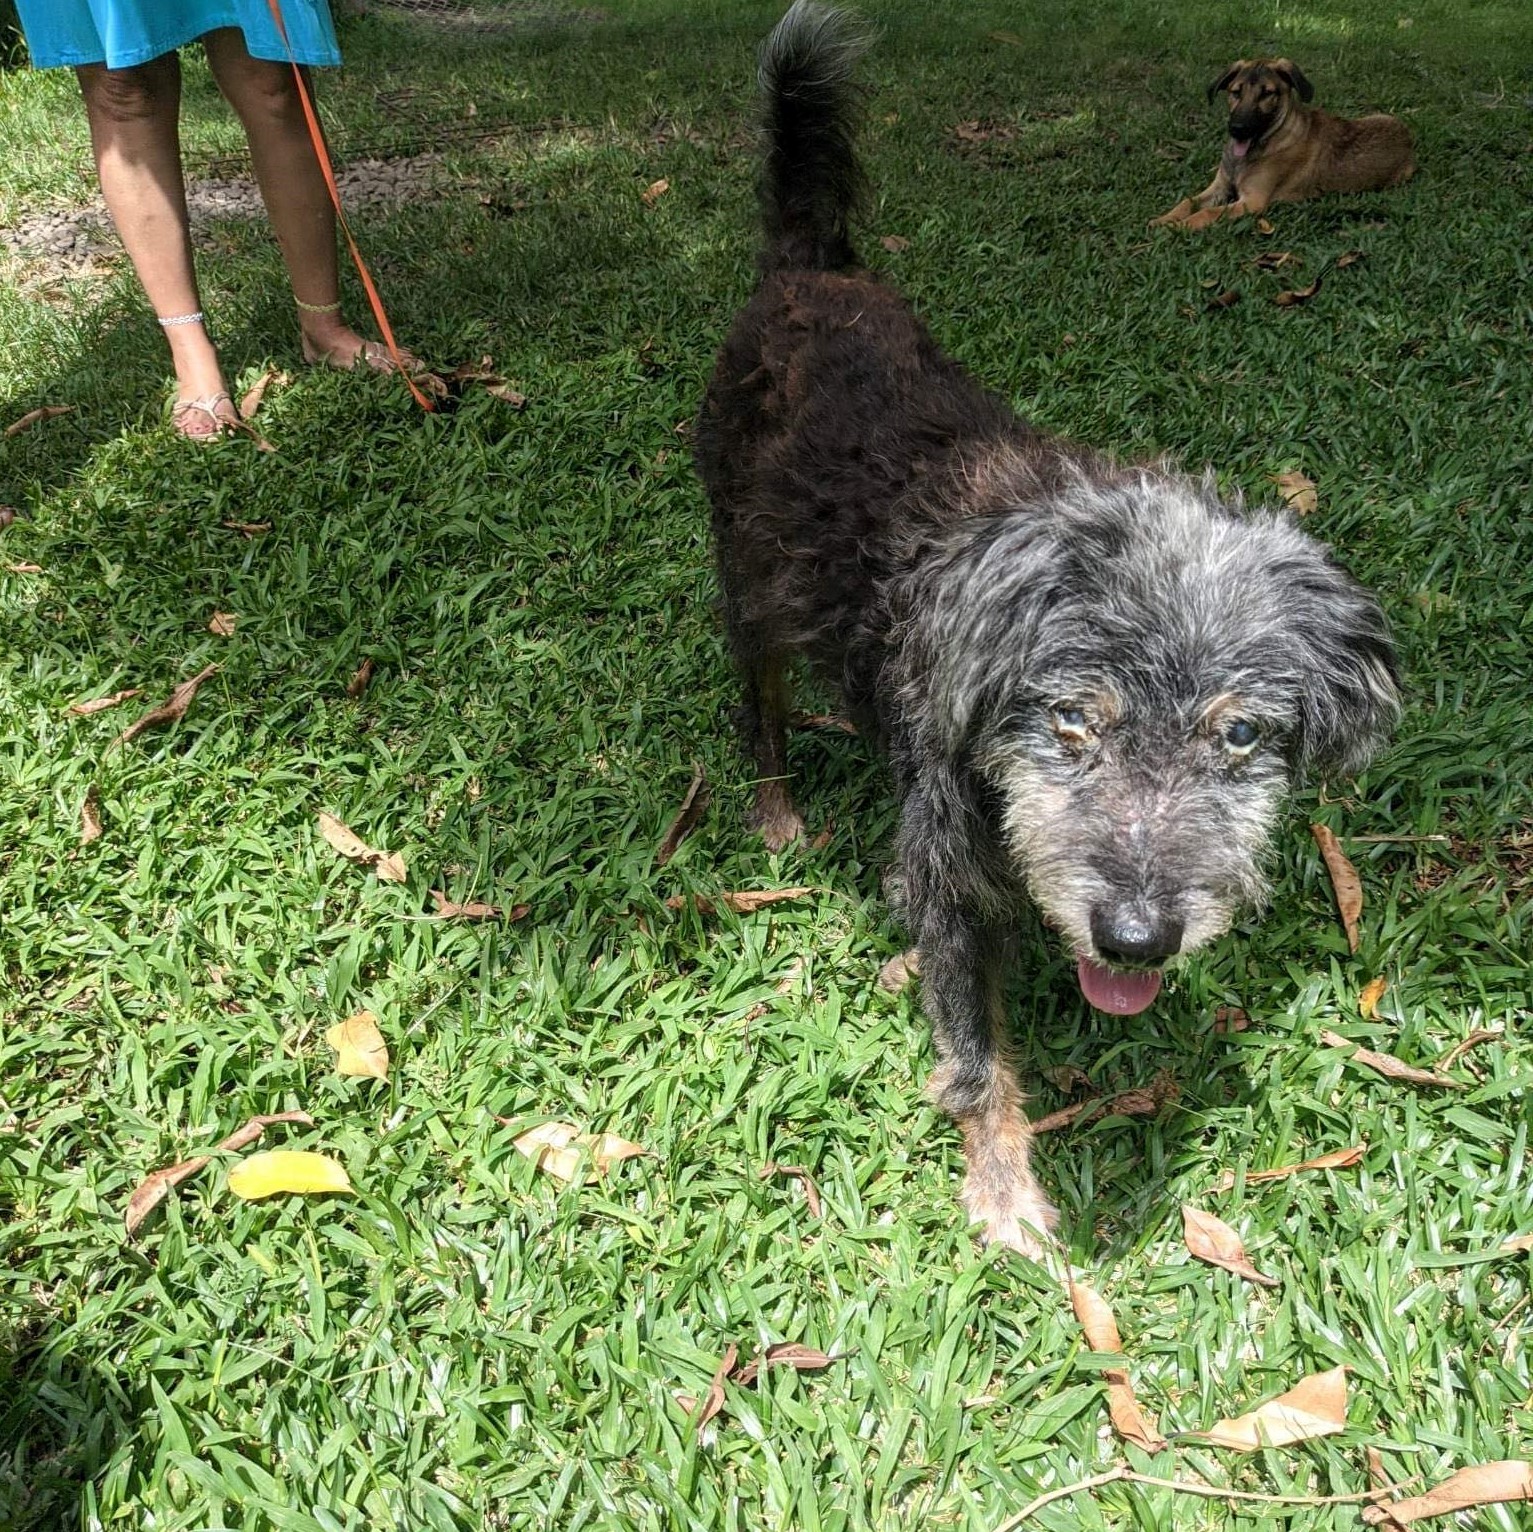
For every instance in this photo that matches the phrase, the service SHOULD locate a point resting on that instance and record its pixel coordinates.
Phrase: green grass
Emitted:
(464, 1344)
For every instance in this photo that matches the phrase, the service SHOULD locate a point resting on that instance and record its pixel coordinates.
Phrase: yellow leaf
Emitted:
(1372, 993)
(360, 1047)
(286, 1170)
(1317, 1406)
(570, 1155)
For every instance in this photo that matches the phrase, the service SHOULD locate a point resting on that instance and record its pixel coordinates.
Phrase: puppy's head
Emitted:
(1138, 672)
(1261, 93)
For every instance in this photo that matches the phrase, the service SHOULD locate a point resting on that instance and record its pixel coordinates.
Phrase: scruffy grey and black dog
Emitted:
(1094, 682)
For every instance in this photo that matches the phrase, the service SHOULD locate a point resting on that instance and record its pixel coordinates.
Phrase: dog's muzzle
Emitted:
(1133, 940)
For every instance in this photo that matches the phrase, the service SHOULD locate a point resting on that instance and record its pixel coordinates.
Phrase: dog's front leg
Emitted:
(1218, 191)
(963, 957)
(962, 966)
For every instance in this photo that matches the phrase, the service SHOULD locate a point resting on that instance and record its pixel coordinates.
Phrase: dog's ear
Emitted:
(1349, 675)
(973, 620)
(1287, 70)
(1223, 82)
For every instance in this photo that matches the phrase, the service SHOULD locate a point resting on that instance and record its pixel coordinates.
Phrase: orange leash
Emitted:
(323, 156)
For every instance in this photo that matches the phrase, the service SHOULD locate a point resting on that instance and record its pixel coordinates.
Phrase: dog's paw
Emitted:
(776, 820)
(1019, 1218)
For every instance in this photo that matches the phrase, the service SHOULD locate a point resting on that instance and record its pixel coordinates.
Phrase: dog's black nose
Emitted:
(1132, 934)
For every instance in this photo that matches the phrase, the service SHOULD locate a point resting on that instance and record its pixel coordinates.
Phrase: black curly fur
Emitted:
(1050, 647)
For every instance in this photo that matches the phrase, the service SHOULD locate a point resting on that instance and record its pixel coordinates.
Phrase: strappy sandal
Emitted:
(198, 420)
(373, 355)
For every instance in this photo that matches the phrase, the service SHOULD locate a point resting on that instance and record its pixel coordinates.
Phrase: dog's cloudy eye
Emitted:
(1241, 735)
(1070, 721)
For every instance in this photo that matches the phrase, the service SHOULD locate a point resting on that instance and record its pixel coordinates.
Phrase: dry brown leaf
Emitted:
(1265, 226)
(1225, 300)
(223, 624)
(783, 1354)
(1484, 1484)
(247, 528)
(1475, 1038)
(388, 865)
(90, 816)
(32, 417)
(1067, 1078)
(1389, 1066)
(1337, 1159)
(693, 806)
(251, 401)
(1370, 995)
(1230, 1018)
(894, 243)
(1378, 1475)
(654, 192)
(899, 970)
(743, 902)
(1349, 258)
(713, 1400)
(802, 1176)
(171, 710)
(8, 514)
(360, 1047)
(1517, 1243)
(507, 395)
(1123, 1409)
(1290, 298)
(360, 678)
(567, 1154)
(822, 721)
(1298, 491)
(153, 1189)
(101, 704)
(1129, 1103)
(23, 568)
(1317, 1406)
(1273, 260)
(1211, 1239)
(448, 910)
(1344, 881)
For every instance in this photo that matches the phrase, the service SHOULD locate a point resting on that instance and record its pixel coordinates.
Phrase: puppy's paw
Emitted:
(1018, 1217)
(1176, 215)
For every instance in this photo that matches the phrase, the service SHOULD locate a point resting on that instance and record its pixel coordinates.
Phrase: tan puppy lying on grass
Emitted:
(1282, 150)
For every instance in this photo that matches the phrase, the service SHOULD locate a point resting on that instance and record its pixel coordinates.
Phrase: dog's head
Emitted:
(1261, 93)
(1137, 672)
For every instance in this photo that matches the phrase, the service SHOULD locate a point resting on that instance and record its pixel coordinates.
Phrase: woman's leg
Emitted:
(265, 96)
(133, 130)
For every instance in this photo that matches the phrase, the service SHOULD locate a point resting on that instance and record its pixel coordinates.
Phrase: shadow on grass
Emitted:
(60, 1421)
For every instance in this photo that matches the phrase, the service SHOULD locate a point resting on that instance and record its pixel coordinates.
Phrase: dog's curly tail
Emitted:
(812, 180)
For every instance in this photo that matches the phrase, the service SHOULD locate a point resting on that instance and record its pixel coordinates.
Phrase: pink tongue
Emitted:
(1119, 994)
(1239, 146)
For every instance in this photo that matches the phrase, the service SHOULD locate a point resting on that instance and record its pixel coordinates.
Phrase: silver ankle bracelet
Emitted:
(170, 320)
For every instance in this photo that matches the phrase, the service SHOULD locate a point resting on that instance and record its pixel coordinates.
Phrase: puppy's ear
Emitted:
(1286, 69)
(1223, 82)
(1349, 675)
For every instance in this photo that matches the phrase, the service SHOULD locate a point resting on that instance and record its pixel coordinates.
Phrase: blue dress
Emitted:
(118, 33)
